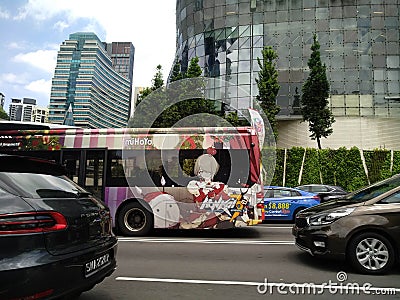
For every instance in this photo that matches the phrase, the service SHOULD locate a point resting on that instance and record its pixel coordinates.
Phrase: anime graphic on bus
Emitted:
(177, 178)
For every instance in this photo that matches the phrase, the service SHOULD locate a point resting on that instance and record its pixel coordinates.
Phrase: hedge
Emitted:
(350, 168)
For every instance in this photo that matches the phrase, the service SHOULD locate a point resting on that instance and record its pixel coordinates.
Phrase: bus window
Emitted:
(94, 172)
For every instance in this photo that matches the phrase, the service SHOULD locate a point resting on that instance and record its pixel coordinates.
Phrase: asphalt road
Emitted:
(257, 262)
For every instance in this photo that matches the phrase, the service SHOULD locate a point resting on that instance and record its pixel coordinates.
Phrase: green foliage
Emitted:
(234, 120)
(176, 72)
(311, 167)
(3, 114)
(314, 99)
(351, 174)
(158, 80)
(268, 86)
(340, 166)
(278, 174)
(328, 166)
(396, 162)
(378, 164)
(293, 165)
(194, 69)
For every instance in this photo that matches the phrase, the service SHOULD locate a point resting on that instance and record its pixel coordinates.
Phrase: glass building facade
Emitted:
(359, 42)
(86, 90)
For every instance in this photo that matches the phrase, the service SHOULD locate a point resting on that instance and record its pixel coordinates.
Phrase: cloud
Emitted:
(149, 25)
(42, 59)
(14, 45)
(4, 14)
(41, 86)
(61, 25)
(12, 78)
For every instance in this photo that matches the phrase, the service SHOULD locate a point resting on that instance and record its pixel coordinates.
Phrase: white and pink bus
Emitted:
(177, 178)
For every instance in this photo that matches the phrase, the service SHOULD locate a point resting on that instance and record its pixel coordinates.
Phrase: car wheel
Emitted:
(134, 220)
(371, 253)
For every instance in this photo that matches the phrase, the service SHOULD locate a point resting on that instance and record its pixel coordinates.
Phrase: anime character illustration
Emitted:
(215, 206)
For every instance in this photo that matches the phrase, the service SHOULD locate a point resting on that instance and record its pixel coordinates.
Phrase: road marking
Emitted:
(283, 288)
(274, 227)
(197, 241)
(191, 281)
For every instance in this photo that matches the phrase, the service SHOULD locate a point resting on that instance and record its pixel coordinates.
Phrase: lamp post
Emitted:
(253, 7)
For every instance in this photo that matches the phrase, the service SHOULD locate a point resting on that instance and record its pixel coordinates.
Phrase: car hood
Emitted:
(329, 206)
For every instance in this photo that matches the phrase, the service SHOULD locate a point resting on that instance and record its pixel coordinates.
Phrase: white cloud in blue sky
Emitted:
(32, 31)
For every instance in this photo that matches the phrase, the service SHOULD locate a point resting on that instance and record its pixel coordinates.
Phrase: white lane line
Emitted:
(191, 281)
(213, 241)
(274, 227)
(283, 288)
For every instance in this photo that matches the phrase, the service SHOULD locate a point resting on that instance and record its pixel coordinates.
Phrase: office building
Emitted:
(40, 115)
(2, 100)
(22, 109)
(122, 56)
(86, 90)
(359, 42)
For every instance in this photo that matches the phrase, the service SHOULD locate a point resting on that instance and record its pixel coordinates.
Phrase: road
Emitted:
(246, 263)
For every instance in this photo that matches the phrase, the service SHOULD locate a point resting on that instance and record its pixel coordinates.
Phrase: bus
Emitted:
(176, 178)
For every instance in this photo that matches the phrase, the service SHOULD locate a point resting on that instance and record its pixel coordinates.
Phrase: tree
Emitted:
(3, 114)
(268, 86)
(176, 72)
(314, 99)
(190, 109)
(146, 110)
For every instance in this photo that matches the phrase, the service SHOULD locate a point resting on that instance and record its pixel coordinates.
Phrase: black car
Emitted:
(56, 239)
(326, 192)
(363, 227)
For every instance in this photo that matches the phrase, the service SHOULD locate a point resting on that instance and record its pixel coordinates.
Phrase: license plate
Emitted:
(96, 264)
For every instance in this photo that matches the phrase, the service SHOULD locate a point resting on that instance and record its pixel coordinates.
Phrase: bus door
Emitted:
(86, 167)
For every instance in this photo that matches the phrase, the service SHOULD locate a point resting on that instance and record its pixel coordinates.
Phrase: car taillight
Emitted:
(316, 197)
(32, 222)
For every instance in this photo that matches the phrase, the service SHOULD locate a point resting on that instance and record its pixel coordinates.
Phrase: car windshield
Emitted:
(374, 190)
(41, 186)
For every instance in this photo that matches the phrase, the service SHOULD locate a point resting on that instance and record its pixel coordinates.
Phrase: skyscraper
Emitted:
(2, 100)
(122, 57)
(86, 90)
(22, 109)
(359, 44)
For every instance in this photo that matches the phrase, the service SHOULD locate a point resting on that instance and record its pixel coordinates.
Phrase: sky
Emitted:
(32, 30)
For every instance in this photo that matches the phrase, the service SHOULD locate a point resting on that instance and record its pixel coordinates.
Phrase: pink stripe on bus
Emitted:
(110, 138)
(94, 140)
(78, 141)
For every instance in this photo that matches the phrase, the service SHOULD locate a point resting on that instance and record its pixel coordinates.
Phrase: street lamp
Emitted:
(253, 6)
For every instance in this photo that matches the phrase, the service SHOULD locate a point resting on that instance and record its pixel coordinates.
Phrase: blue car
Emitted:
(283, 203)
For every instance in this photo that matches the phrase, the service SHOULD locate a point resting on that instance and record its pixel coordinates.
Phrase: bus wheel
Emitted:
(134, 220)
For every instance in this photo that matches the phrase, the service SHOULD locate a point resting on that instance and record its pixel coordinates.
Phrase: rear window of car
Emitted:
(374, 190)
(319, 189)
(40, 185)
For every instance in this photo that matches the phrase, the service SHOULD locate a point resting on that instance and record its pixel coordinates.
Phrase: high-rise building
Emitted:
(86, 90)
(122, 57)
(22, 109)
(40, 115)
(359, 42)
(2, 100)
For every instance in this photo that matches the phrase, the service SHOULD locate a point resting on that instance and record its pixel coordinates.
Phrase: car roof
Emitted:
(24, 164)
(320, 184)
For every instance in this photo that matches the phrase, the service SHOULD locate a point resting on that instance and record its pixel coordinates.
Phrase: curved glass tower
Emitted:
(359, 44)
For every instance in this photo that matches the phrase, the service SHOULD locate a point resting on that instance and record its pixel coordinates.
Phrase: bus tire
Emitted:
(134, 220)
